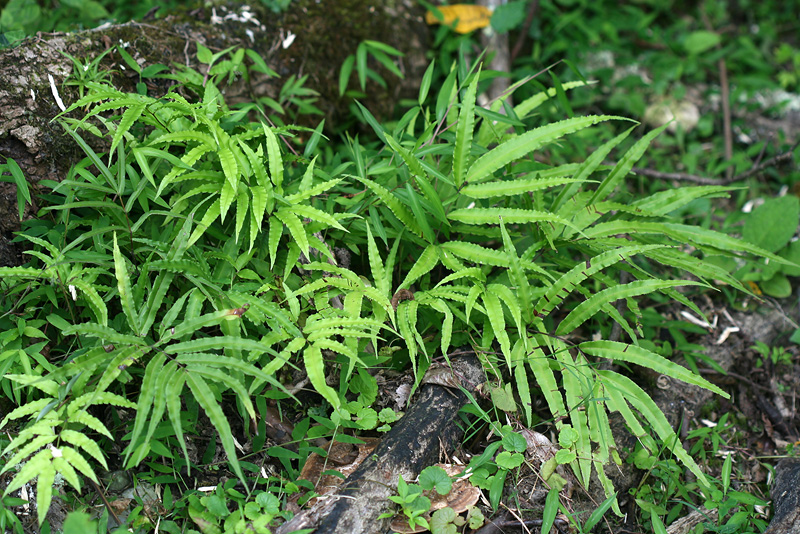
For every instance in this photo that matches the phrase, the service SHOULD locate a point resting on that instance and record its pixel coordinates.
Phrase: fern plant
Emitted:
(525, 255)
(198, 259)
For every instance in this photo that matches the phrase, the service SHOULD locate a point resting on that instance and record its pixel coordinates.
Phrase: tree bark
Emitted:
(413, 444)
(786, 498)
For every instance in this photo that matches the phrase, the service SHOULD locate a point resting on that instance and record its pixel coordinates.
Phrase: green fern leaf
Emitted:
(124, 288)
(173, 389)
(242, 203)
(447, 326)
(560, 289)
(407, 332)
(84, 418)
(35, 444)
(63, 467)
(314, 214)
(476, 253)
(518, 147)
(225, 379)
(154, 300)
(586, 169)
(296, 228)
(93, 298)
(226, 196)
(130, 116)
(146, 396)
(211, 215)
(577, 390)
(426, 261)
(103, 332)
(625, 165)
(494, 311)
(382, 282)
(476, 273)
(315, 368)
(516, 274)
(509, 215)
(218, 343)
(205, 398)
(632, 393)
(274, 238)
(393, 203)
(187, 160)
(521, 110)
(318, 189)
(505, 188)
(585, 310)
(86, 443)
(274, 157)
(665, 202)
(186, 136)
(77, 461)
(464, 131)
(641, 356)
(28, 408)
(539, 364)
(48, 386)
(44, 486)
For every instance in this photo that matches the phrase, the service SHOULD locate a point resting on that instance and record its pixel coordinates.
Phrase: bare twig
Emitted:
(771, 162)
(523, 31)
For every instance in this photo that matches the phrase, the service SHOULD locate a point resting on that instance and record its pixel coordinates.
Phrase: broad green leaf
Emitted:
(773, 224)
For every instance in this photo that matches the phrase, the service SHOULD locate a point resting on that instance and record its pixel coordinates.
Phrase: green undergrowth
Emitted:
(183, 278)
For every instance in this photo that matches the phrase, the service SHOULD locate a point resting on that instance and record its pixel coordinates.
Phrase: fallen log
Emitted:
(786, 498)
(415, 442)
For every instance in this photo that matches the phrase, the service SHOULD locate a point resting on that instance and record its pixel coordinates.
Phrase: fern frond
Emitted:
(588, 308)
(519, 146)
